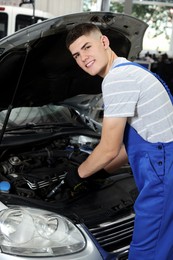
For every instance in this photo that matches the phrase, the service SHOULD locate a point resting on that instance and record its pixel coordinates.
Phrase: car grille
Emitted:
(115, 236)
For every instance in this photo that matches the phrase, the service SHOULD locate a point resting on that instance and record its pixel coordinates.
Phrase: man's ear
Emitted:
(105, 41)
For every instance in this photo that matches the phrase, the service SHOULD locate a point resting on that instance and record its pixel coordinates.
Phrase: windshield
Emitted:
(3, 24)
(48, 114)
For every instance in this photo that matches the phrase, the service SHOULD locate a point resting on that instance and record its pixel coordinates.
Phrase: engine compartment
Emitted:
(39, 173)
(36, 175)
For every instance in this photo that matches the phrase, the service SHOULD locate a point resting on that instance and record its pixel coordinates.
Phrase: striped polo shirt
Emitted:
(133, 92)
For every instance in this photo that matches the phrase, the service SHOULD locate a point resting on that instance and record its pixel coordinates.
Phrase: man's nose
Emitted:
(84, 56)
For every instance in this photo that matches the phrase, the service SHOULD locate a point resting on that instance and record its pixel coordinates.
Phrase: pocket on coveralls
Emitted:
(152, 169)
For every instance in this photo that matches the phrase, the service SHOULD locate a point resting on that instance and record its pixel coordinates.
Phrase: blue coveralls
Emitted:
(152, 167)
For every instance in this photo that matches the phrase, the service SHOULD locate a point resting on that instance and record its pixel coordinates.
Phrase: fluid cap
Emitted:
(5, 186)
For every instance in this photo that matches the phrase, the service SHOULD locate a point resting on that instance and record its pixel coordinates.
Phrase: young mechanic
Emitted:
(137, 128)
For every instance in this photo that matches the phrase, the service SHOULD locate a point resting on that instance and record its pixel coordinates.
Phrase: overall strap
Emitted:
(154, 74)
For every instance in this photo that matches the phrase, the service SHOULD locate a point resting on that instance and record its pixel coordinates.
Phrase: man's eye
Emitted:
(75, 56)
(87, 47)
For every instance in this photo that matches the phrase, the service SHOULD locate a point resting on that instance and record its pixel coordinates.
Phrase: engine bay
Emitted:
(39, 173)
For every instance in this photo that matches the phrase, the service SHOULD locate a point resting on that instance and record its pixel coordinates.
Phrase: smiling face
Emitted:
(91, 52)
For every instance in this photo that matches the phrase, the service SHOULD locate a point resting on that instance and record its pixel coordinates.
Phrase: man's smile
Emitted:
(89, 64)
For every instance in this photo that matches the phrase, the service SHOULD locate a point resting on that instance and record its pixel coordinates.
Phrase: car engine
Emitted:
(40, 172)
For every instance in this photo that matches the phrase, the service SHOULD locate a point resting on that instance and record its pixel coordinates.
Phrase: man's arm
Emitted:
(118, 161)
(108, 149)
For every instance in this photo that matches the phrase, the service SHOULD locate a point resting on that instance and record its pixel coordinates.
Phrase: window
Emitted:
(3, 24)
(25, 20)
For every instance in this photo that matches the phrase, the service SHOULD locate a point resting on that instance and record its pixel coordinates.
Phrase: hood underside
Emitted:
(37, 69)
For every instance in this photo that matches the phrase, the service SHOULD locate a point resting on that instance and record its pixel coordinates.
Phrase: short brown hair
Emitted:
(78, 31)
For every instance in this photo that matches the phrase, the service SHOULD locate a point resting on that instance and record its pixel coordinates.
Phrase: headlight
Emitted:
(34, 232)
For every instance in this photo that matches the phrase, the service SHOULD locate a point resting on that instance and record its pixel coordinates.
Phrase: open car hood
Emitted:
(37, 69)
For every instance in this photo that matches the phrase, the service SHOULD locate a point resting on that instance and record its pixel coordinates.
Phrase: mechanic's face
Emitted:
(90, 53)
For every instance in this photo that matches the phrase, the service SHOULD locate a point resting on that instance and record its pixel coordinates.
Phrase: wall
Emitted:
(55, 7)
(59, 7)
(10, 2)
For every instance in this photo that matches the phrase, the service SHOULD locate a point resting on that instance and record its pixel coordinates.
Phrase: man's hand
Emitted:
(76, 183)
(72, 178)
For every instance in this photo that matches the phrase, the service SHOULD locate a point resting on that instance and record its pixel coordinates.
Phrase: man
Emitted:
(138, 112)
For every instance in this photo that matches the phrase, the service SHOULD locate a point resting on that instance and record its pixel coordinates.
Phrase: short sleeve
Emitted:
(120, 95)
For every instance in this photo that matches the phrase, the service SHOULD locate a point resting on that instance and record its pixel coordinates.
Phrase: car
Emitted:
(50, 119)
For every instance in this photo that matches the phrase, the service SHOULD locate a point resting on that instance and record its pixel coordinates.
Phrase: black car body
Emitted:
(50, 116)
